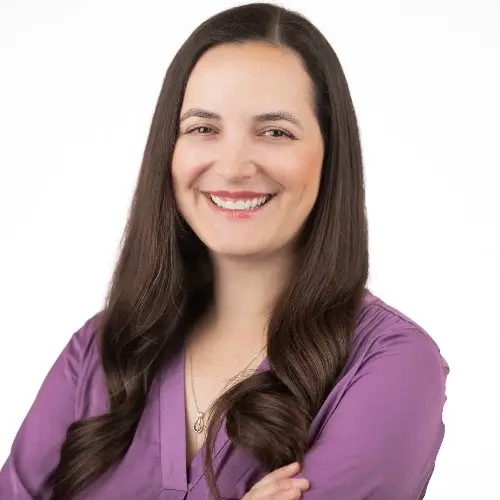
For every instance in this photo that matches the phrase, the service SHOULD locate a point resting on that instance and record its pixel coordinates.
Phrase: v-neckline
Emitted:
(176, 474)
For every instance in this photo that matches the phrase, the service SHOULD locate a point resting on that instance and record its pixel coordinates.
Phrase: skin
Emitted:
(232, 146)
(279, 485)
(239, 152)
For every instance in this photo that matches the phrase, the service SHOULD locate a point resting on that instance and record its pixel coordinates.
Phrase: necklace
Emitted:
(199, 423)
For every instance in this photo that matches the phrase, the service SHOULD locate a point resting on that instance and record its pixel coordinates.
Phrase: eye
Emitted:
(278, 133)
(200, 130)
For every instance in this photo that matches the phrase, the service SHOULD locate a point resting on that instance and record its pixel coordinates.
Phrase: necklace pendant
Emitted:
(199, 424)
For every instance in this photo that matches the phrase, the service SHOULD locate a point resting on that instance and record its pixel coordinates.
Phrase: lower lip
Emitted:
(235, 214)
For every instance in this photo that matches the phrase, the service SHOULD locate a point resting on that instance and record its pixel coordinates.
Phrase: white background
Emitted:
(78, 85)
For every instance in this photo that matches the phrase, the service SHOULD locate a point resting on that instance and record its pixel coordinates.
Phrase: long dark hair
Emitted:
(162, 282)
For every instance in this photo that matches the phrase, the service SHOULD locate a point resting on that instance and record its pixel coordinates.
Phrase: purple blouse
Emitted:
(376, 436)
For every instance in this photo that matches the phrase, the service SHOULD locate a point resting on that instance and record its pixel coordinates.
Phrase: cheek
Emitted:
(177, 169)
(303, 173)
(186, 169)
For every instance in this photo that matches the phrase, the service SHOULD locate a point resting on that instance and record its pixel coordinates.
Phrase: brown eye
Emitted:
(278, 134)
(202, 130)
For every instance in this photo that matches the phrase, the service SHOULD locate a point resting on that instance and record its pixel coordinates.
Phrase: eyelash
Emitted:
(286, 135)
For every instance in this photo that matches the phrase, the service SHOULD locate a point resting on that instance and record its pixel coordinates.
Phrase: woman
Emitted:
(238, 336)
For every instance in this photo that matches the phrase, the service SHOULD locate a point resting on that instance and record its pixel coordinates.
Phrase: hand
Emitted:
(279, 485)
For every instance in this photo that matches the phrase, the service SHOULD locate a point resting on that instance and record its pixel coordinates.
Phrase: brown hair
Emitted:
(162, 282)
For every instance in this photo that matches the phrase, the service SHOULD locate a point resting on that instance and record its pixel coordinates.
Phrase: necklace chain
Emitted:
(199, 424)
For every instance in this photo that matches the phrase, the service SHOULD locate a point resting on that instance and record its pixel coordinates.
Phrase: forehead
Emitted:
(250, 75)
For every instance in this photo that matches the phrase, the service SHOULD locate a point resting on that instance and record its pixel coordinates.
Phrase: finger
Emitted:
(281, 473)
(293, 494)
(279, 487)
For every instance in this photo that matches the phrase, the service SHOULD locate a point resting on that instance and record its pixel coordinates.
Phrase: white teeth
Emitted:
(240, 204)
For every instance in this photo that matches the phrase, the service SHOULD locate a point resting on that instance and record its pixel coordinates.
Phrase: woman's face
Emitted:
(247, 162)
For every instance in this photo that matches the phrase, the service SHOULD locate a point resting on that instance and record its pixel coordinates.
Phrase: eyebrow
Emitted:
(263, 117)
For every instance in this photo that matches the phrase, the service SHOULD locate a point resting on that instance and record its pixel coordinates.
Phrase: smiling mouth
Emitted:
(240, 204)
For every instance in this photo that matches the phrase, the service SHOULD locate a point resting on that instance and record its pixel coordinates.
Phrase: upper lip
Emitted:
(238, 195)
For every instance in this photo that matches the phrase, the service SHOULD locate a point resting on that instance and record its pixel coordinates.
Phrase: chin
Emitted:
(238, 246)
(238, 250)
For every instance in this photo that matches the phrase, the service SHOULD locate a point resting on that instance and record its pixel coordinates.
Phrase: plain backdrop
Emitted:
(78, 85)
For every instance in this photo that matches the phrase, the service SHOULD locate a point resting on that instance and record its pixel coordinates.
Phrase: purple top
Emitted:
(376, 436)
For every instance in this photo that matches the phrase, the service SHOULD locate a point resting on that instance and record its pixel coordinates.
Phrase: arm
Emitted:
(35, 451)
(382, 440)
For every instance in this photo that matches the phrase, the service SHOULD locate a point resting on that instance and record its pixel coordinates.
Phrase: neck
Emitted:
(245, 291)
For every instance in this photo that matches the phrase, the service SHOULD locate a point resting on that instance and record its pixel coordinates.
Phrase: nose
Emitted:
(234, 161)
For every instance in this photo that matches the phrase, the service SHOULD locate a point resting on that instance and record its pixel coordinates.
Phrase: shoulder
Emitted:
(82, 345)
(381, 327)
(79, 350)
(380, 428)
(392, 358)
(389, 343)
(82, 359)
(68, 392)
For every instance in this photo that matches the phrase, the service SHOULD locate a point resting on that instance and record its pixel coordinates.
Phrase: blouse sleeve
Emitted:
(35, 451)
(382, 440)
